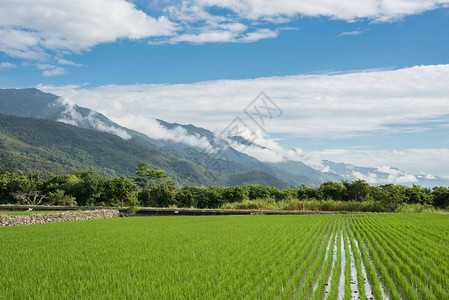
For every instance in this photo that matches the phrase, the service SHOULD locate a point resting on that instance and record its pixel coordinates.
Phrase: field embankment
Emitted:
(29, 218)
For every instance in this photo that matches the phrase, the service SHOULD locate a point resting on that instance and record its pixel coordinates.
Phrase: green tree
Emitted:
(441, 196)
(391, 196)
(121, 190)
(86, 187)
(58, 197)
(161, 195)
(256, 191)
(235, 193)
(306, 192)
(332, 190)
(358, 190)
(146, 176)
(418, 194)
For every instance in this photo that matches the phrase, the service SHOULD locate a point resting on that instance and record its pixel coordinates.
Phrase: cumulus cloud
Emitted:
(322, 106)
(66, 62)
(29, 28)
(6, 65)
(351, 33)
(319, 106)
(73, 117)
(412, 161)
(381, 10)
(153, 129)
(199, 25)
(50, 70)
(36, 29)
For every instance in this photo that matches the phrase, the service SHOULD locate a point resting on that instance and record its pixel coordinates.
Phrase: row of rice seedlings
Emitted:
(295, 260)
(434, 260)
(417, 262)
(216, 257)
(267, 274)
(431, 226)
(378, 264)
(303, 289)
(269, 279)
(400, 272)
(88, 270)
(433, 229)
(265, 279)
(358, 264)
(326, 268)
(282, 266)
(412, 269)
(307, 255)
(347, 289)
(336, 270)
(371, 274)
(411, 260)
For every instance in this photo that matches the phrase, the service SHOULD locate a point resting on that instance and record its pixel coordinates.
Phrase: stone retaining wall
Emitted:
(57, 217)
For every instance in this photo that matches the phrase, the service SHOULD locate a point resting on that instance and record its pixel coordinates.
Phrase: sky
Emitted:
(358, 81)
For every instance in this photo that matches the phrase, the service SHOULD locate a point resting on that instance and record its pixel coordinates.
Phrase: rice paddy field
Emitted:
(388, 256)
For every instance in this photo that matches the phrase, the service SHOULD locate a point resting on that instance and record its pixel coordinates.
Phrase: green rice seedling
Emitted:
(417, 273)
(325, 270)
(358, 265)
(347, 288)
(372, 276)
(379, 265)
(307, 283)
(336, 272)
(224, 257)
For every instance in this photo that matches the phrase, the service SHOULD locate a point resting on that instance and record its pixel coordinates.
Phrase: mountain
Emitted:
(220, 156)
(48, 106)
(48, 146)
(34, 103)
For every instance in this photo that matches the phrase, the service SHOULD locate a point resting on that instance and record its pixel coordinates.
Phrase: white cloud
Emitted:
(205, 37)
(411, 161)
(259, 35)
(51, 70)
(319, 106)
(381, 10)
(7, 65)
(153, 129)
(28, 28)
(73, 117)
(371, 178)
(351, 33)
(63, 61)
(36, 29)
(199, 25)
(324, 106)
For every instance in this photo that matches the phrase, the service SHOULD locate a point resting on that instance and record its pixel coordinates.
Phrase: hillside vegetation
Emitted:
(44, 146)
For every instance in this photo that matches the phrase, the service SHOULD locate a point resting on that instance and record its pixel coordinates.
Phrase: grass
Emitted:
(307, 205)
(225, 257)
(32, 212)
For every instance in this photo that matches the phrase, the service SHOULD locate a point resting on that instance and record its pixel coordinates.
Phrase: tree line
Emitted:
(153, 188)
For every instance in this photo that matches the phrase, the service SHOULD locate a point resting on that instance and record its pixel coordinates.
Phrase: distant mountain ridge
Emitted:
(46, 146)
(37, 104)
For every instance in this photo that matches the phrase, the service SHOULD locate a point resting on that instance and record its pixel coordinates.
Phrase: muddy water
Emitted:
(354, 287)
(368, 290)
(341, 284)
(327, 288)
(382, 287)
(315, 285)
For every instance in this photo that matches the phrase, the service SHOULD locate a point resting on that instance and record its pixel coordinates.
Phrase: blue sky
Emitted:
(362, 82)
(309, 45)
